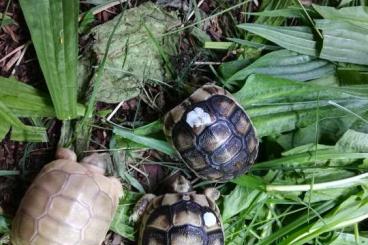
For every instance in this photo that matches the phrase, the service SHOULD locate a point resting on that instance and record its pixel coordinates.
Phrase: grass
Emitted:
(291, 72)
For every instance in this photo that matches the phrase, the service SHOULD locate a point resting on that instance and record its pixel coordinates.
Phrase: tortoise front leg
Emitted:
(140, 207)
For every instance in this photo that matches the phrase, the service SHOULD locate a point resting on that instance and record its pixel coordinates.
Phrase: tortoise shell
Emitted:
(181, 218)
(66, 204)
(213, 134)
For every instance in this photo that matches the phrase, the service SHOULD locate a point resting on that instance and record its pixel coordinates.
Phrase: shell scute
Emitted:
(69, 211)
(36, 207)
(226, 152)
(181, 221)
(222, 105)
(195, 159)
(49, 229)
(66, 204)
(55, 176)
(216, 135)
(187, 234)
(78, 182)
(216, 142)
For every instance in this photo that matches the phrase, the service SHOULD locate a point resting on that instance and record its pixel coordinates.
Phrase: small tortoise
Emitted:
(68, 203)
(180, 218)
(213, 134)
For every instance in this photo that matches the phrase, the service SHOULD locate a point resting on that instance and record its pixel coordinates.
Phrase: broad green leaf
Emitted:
(20, 131)
(357, 15)
(149, 142)
(277, 105)
(353, 210)
(250, 181)
(348, 239)
(121, 224)
(343, 42)
(239, 199)
(353, 141)
(54, 30)
(24, 100)
(298, 39)
(289, 65)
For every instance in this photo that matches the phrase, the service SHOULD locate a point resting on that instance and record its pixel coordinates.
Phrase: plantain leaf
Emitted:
(277, 105)
(20, 131)
(287, 64)
(357, 15)
(353, 141)
(54, 31)
(298, 39)
(24, 100)
(343, 42)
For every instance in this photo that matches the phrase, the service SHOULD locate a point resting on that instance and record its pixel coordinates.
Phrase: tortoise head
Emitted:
(181, 185)
(94, 163)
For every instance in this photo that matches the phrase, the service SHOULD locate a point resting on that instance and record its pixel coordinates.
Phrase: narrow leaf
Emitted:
(159, 145)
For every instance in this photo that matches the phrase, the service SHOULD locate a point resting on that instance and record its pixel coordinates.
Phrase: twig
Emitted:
(20, 58)
(207, 63)
(12, 52)
(192, 13)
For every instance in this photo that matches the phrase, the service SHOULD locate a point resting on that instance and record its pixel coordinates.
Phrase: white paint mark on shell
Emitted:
(198, 117)
(209, 219)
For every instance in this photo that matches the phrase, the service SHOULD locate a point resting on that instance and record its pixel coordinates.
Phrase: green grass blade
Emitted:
(54, 31)
(298, 39)
(149, 142)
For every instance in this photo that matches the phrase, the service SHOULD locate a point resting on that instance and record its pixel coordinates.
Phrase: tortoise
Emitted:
(213, 134)
(67, 203)
(179, 218)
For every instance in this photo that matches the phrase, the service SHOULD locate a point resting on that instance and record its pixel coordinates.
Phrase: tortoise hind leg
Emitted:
(140, 207)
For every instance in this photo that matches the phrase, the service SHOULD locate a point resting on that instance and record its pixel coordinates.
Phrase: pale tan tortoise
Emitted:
(68, 203)
(213, 134)
(183, 217)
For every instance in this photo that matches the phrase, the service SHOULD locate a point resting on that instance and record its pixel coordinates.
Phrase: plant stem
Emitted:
(343, 183)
